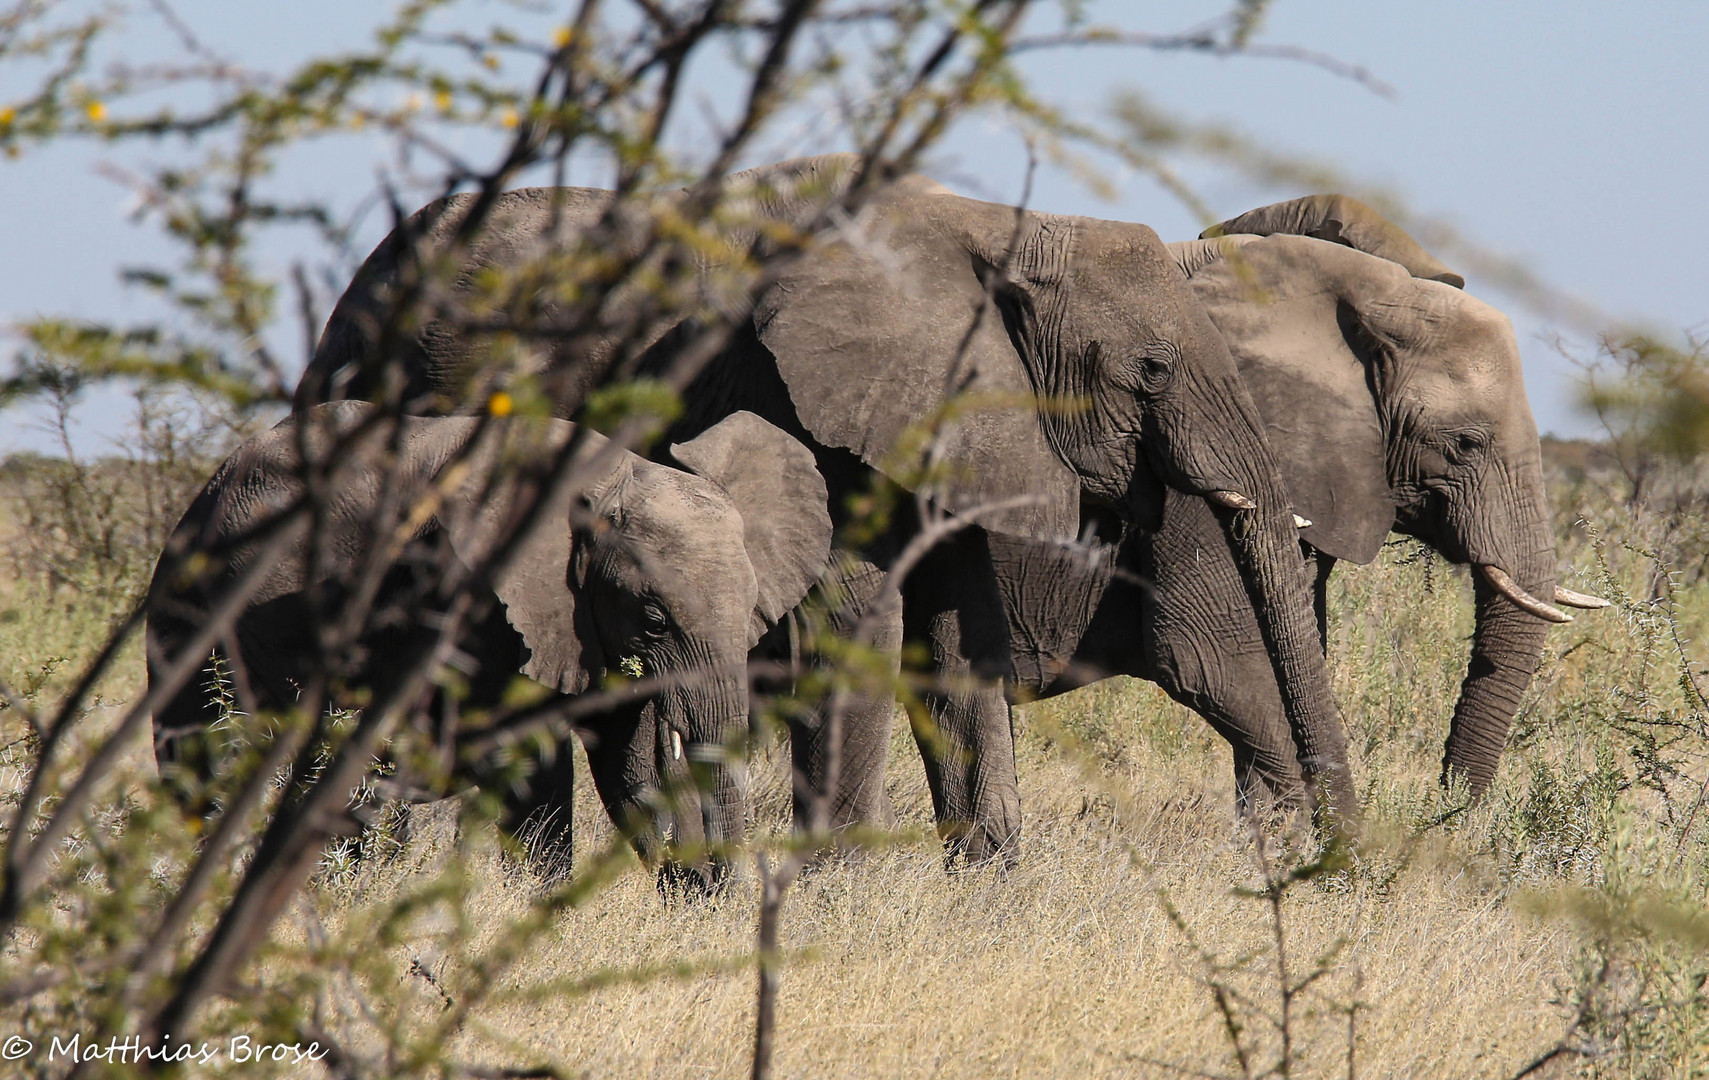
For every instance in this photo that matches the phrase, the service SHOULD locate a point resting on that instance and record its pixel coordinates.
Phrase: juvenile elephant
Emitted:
(650, 570)
(1393, 400)
(1006, 364)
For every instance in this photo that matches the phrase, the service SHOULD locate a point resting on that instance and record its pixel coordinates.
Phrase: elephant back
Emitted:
(1340, 219)
(525, 272)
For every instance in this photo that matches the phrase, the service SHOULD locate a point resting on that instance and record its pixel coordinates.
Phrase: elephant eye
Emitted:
(1465, 445)
(654, 618)
(1156, 370)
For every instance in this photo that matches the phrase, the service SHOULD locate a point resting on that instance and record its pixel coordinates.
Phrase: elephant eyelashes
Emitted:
(1155, 373)
(1463, 446)
(1151, 372)
(657, 622)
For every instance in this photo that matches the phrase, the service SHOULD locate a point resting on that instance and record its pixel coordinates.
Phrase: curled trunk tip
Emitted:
(1506, 586)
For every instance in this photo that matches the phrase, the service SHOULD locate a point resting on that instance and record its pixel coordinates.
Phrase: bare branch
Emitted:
(1207, 43)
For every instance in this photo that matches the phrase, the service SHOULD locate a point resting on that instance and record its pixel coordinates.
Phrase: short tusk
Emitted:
(1578, 599)
(1232, 500)
(1301, 523)
(1504, 585)
(676, 745)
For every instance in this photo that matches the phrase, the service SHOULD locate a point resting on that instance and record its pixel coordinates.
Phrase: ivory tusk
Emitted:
(1232, 500)
(1504, 585)
(1578, 599)
(1301, 523)
(676, 745)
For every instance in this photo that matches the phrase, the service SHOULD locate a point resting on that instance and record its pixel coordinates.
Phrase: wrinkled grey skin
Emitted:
(673, 570)
(1391, 401)
(534, 235)
(926, 295)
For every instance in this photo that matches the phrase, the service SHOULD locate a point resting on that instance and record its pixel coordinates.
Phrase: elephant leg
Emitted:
(539, 813)
(1238, 696)
(1266, 768)
(622, 754)
(952, 603)
(847, 759)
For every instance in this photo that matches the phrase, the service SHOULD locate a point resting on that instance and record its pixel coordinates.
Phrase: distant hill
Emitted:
(1577, 457)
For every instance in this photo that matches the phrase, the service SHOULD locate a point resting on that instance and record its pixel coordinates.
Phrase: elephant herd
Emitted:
(1137, 458)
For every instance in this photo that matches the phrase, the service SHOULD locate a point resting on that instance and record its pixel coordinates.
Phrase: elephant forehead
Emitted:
(679, 511)
(1112, 265)
(525, 222)
(1120, 246)
(1471, 340)
(687, 536)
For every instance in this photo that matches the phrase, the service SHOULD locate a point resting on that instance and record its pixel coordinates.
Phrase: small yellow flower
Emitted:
(490, 62)
(7, 115)
(509, 117)
(96, 111)
(500, 404)
(442, 100)
(562, 36)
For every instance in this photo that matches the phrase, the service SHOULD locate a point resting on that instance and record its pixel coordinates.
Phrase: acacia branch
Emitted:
(1208, 44)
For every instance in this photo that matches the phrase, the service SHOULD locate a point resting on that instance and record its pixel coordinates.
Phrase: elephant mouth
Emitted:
(1506, 586)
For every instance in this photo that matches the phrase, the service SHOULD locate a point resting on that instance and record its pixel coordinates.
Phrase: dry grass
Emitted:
(1071, 965)
(1442, 941)
(1066, 967)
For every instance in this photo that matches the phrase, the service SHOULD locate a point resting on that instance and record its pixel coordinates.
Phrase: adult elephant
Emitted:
(1393, 400)
(1011, 366)
(672, 572)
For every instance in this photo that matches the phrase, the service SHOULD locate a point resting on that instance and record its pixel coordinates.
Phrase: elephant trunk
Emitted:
(699, 763)
(1506, 648)
(1272, 564)
(1249, 498)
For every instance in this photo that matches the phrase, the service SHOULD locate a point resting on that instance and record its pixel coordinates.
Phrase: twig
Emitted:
(1204, 42)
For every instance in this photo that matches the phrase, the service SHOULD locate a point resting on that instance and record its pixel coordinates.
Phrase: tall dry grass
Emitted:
(1553, 923)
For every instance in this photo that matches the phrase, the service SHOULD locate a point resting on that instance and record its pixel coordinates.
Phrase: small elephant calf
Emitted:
(648, 569)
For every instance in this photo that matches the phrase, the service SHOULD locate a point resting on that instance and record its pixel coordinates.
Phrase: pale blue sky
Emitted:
(1571, 134)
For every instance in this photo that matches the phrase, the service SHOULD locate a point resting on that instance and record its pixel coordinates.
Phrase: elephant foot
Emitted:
(1287, 821)
(969, 846)
(841, 854)
(1266, 805)
(691, 884)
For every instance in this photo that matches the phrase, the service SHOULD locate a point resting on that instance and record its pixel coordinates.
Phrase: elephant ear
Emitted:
(874, 332)
(539, 599)
(786, 527)
(1287, 307)
(1341, 220)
